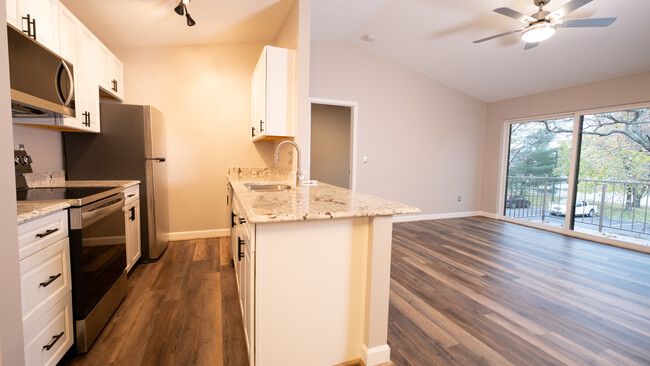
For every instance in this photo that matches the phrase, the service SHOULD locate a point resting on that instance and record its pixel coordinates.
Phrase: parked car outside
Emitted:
(583, 208)
(515, 201)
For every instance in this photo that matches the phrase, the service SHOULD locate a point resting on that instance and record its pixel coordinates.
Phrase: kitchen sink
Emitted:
(266, 187)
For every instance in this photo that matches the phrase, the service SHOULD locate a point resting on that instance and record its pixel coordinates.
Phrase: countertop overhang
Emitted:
(309, 202)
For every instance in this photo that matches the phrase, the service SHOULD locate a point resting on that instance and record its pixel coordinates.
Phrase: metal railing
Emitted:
(621, 207)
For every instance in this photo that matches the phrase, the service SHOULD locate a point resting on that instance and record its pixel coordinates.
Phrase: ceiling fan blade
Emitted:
(566, 9)
(530, 45)
(497, 36)
(515, 15)
(589, 22)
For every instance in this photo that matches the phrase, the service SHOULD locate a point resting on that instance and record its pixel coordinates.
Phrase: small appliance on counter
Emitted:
(131, 146)
(97, 248)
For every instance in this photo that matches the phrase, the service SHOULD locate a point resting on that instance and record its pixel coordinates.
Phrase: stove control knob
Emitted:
(25, 160)
(16, 160)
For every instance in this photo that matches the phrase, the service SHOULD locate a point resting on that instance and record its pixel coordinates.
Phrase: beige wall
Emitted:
(11, 327)
(330, 144)
(423, 139)
(294, 34)
(625, 90)
(45, 146)
(204, 93)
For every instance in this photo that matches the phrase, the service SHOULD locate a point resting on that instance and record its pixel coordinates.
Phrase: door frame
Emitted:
(354, 106)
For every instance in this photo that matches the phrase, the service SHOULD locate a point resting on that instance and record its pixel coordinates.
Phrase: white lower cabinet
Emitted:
(132, 220)
(46, 289)
(243, 249)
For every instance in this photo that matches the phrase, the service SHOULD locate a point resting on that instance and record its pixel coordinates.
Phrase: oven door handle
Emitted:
(101, 211)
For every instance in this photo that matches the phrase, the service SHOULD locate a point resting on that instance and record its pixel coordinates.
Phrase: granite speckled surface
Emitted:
(317, 202)
(28, 210)
(35, 209)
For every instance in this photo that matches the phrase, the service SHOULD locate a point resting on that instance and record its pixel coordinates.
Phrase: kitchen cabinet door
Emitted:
(116, 69)
(273, 106)
(132, 218)
(69, 29)
(45, 17)
(110, 72)
(87, 97)
(13, 13)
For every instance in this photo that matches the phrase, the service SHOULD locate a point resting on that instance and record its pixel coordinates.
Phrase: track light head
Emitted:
(180, 9)
(190, 21)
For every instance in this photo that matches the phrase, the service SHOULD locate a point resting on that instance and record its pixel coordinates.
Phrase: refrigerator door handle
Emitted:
(156, 159)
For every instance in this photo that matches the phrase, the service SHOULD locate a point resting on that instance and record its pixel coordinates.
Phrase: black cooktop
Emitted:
(84, 194)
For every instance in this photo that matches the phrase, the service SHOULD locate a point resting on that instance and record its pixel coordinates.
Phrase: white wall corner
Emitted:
(199, 234)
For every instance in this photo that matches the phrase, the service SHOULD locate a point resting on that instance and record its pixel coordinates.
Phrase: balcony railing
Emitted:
(620, 207)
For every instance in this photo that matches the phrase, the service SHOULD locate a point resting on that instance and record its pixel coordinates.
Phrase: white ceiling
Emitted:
(432, 37)
(138, 23)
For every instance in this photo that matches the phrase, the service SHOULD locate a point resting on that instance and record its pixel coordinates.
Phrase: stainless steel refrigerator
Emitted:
(131, 145)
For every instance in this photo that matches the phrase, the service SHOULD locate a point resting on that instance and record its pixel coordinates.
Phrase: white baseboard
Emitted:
(199, 234)
(452, 215)
(375, 355)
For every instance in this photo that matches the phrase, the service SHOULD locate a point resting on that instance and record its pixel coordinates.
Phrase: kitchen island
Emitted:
(313, 270)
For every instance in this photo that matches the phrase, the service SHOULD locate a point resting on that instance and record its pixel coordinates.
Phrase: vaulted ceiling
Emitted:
(432, 37)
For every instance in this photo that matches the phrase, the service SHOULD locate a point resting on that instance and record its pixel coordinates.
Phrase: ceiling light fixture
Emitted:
(181, 9)
(538, 32)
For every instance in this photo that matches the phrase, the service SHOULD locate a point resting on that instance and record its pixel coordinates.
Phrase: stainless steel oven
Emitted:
(98, 260)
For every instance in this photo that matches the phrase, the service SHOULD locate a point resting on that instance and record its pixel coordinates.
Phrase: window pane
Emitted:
(538, 170)
(614, 175)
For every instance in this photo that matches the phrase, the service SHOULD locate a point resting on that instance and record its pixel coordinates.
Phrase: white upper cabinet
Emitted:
(110, 73)
(97, 72)
(77, 46)
(89, 99)
(37, 18)
(273, 106)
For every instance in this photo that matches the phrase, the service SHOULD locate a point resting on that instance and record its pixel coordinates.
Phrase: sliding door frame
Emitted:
(567, 229)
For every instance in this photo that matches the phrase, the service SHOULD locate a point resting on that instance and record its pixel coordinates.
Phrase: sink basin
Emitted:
(265, 187)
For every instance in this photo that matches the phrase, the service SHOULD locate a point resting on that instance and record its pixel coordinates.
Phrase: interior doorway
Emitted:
(332, 142)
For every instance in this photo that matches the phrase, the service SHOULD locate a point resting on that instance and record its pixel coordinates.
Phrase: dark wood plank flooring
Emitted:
(475, 291)
(470, 291)
(180, 310)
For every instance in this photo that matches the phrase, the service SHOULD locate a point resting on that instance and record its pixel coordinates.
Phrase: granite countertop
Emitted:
(310, 202)
(28, 210)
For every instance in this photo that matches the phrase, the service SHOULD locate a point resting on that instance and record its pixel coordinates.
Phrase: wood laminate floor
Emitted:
(180, 310)
(475, 291)
(470, 291)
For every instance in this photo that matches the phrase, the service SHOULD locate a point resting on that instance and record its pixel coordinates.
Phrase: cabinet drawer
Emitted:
(132, 193)
(36, 235)
(48, 339)
(44, 279)
(246, 229)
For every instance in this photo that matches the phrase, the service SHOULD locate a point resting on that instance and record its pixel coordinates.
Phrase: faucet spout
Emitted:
(299, 176)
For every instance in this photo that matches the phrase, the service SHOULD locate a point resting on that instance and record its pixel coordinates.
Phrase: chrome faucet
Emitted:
(276, 158)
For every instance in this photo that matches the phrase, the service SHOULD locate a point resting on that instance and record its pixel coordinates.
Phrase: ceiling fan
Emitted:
(542, 25)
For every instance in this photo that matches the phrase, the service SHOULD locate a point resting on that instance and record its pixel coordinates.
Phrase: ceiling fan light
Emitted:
(538, 32)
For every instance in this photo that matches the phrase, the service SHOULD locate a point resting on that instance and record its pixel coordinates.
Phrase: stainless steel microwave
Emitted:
(42, 83)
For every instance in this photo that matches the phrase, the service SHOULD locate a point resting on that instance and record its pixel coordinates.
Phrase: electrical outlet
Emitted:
(460, 198)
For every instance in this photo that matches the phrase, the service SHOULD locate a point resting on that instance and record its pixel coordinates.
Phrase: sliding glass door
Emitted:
(602, 188)
(614, 174)
(538, 170)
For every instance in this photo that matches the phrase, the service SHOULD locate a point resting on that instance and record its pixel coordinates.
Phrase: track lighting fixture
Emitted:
(181, 9)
